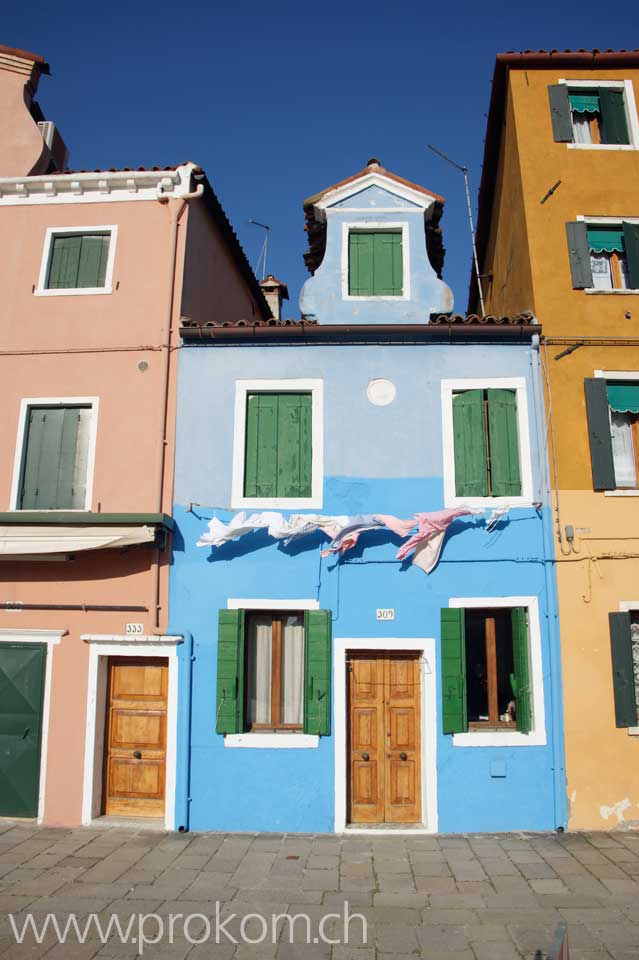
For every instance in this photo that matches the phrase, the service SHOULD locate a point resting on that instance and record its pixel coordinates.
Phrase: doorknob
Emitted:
(403, 756)
(137, 754)
(365, 756)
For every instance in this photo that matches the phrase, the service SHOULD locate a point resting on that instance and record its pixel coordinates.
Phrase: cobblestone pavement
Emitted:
(472, 897)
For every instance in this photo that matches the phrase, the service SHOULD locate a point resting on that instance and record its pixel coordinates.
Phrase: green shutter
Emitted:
(623, 677)
(49, 461)
(614, 126)
(64, 262)
(93, 260)
(317, 672)
(229, 713)
(375, 265)
(603, 467)
(469, 434)
(520, 677)
(279, 455)
(560, 113)
(453, 658)
(360, 264)
(22, 669)
(631, 243)
(579, 254)
(504, 443)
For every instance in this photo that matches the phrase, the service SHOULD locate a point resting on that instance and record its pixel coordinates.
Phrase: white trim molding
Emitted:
(428, 675)
(249, 604)
(99, 186)
(51, 234)
(423, 201)
(102, 647)
(537, 736)
(272, 741)
(376, 226)
(631, 113)
(518, 384)
(242, 389)
(51, 638)
(18, 461)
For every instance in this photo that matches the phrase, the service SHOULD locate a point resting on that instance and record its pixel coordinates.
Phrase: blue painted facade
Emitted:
(377, 459)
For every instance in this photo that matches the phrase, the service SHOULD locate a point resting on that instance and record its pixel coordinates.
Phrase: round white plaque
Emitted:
(381, 392)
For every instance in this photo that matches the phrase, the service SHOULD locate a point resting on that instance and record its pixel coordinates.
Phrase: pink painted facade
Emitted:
(171, 254)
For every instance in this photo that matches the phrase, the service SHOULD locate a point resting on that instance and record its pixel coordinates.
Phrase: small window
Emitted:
(623, 403)
(486, 443)
(624, 644)
(590, 116)
(55, 458)
(77, 261)
(604, 256)
(375, 263)
(278, 450)
(608, 261)
(274, 671)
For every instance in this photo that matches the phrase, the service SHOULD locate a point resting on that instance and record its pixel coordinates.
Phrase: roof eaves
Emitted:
(39, 61)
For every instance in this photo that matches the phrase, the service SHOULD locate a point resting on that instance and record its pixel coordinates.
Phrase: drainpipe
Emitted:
(175, 212)
(552, 615)
(183, 746)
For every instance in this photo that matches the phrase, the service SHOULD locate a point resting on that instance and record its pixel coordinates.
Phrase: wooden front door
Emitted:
(135, 747)
(384, 738)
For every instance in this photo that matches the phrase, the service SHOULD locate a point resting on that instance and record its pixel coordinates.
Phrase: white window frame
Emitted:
(43, 291)
(631, 113)
(244, 387)
(23, 418)
(608, 222)
(497, 738)
(518, 384)
(272, 741)
(619, 375)
(376, 226)
(627, 606)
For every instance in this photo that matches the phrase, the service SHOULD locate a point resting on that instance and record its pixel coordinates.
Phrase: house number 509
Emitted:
(386, 614)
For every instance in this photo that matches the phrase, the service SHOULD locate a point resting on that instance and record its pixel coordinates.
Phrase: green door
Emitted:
(21, 693)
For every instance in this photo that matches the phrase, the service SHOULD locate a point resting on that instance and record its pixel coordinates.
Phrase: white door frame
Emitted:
(426, 649)
(51, 638)
(103, 646)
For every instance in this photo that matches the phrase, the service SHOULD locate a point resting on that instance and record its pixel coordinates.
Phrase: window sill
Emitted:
(276, 503)
(601, 146)
(621, 493)
(489, 502)
(633, 731)
(598, 293)
(376, 299)
(72, 292)
(498, 739)
(272, 741)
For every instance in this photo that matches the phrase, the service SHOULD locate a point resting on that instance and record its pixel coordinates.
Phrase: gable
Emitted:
(374, 197)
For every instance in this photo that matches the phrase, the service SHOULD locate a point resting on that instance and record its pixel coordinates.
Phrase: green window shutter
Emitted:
(631, 243)
(469, 434)
(229, 712)
(260, 474)
(387, 265)
(317, 672)
(50, 460)
(453, 658)
(603, 467)
(560, 113)
(93, 260)
(294, 445)
(504, 443)
(360, 264)
(64, 262)
(579, 254)
(614, 127)
(623, 678)
(520, 677)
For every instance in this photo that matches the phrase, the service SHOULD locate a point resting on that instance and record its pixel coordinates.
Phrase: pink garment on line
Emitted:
(428, 526)
(401, 527)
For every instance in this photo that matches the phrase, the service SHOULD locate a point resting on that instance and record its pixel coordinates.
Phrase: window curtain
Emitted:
(622, 450)
(292, 670)
(601, 273)
(581, 128)
(259, 669)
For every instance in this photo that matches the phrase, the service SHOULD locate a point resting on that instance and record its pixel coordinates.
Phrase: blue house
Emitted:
(372, 602)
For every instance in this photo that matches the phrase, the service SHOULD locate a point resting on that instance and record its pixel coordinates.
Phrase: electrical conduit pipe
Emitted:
(183, 746)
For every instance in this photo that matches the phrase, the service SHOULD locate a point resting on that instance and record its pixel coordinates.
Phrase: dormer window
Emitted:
(376, 258)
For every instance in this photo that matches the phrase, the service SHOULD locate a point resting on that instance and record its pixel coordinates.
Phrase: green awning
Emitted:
(584, 103)
(605, 240)
(623, 397)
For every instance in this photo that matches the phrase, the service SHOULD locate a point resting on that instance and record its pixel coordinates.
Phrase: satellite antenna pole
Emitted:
(464, 170)
(264, 249)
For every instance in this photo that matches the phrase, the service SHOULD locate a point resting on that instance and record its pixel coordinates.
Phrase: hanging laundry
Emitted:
(497, 514)
(401, 527)
(348, 536)
(241, 524)
(430, 527)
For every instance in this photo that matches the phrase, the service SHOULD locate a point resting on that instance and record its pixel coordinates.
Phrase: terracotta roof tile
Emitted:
(373, 166)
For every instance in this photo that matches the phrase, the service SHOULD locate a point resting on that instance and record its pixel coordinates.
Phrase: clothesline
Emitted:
(423, 533)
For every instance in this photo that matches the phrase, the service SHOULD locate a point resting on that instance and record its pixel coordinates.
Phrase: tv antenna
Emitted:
(464, 170)
(264, 250)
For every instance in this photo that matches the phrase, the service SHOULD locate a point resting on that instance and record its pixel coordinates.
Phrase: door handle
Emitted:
(365, 756)
(137, 754)
(403, 756)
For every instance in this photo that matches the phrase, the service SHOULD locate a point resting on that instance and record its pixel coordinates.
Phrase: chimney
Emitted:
(23, 149)
(275, 291)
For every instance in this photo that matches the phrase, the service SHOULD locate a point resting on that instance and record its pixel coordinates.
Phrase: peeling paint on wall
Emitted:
(618, 809)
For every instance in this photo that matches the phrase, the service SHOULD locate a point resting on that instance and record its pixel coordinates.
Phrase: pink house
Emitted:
(98, 269)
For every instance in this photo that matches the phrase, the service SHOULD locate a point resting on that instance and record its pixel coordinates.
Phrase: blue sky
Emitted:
(276, 101)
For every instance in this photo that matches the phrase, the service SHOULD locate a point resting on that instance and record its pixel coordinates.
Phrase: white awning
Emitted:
(16, 540)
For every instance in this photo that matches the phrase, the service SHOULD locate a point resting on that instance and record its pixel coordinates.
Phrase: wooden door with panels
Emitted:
(135, 737)
(384, 716)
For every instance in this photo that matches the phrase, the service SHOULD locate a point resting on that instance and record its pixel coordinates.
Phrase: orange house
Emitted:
(97, 269)
(558, 234)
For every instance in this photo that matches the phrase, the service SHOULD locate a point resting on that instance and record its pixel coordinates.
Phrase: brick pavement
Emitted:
(472, 897)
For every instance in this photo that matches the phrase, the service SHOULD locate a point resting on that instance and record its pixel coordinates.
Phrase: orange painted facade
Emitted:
(523, 246)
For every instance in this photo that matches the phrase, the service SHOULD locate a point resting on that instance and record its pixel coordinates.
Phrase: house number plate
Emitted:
(134, 628)
(387, 613)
